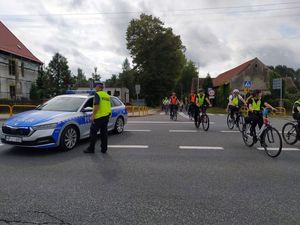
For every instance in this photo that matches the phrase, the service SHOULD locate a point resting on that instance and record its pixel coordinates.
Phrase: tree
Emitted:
(185, 80)
(112, 82)
(157, 55)
(34, 92)
(208, 83)
(95, 75)
(81, 80)
(59, 75)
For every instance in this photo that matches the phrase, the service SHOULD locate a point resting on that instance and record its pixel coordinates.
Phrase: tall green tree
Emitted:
(158, 56)
(80, 79)
(59, 75)
(95, 75)
(185, 80)
(208, 83)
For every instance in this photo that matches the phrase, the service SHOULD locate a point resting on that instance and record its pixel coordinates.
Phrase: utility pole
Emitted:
(198, 78)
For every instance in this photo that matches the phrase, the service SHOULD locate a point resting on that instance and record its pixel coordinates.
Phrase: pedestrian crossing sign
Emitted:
(247, 83)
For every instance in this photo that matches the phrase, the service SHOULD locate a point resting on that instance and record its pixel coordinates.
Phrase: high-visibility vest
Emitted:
(104, 105)
(201, 99)
(193, 98)
(235, 101)
(256, 105)
(173, 100)
(294, 106)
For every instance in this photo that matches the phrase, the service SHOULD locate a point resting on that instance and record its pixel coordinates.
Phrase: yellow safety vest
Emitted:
(201, 99)
(296, 102)
(235, 101)
(256, 105)
(104, 105)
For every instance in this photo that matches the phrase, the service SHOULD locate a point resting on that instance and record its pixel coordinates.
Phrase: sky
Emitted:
(218, 35)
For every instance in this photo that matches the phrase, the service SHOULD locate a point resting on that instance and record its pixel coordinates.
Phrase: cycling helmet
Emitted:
(256, 92)
(235, 91)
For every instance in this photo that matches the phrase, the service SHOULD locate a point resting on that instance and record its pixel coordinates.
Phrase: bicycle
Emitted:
(166, 109)
(266, 135)
(202, 118)
(173, 114)
(290, 132)
(238, 120)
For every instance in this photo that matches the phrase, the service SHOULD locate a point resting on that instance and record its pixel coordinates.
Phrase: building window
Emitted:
(12, 67)
(22, 68)
(12, 92)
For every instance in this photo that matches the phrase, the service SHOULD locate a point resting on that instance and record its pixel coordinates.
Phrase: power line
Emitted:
(168, 11)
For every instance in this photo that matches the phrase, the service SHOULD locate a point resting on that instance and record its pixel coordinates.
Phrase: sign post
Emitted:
(137, 91)
(277, 85)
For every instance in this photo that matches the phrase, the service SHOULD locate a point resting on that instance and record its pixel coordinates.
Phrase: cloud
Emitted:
(218, 35)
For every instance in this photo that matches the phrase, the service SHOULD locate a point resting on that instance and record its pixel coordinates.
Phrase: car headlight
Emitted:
(45, 126)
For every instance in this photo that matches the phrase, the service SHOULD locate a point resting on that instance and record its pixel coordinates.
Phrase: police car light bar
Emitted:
(90, 92)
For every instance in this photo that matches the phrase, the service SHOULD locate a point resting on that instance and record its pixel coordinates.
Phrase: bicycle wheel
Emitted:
(230, 122)
(197, 123)
(247, 138)
(272, 142)
(205, 122)
(175, 116)
(240, 121)
(289, 133)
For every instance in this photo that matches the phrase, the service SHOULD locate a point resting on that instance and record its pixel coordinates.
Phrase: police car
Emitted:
(60, 122)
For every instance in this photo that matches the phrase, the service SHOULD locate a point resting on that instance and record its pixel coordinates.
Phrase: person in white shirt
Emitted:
(235, 100)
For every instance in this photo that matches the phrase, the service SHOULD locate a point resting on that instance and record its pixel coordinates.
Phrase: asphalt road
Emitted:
(150, 177)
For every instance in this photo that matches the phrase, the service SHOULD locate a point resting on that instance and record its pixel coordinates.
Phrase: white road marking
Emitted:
(283, 149)
(184, 131)
(230, 131)
(162, 122)
(138, 130)
(156, 122)
(209, 114)
(221, 114)
(162, 113)
(128, 146)
(201, 147)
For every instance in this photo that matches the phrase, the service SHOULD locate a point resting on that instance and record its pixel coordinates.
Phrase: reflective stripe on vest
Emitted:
(235, 101)
(296, 102)
(173, 100)
(201, 99)
(193, 98)
(256, 105)
(104, 105)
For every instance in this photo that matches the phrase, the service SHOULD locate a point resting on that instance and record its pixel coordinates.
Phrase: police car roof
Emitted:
(75, 95)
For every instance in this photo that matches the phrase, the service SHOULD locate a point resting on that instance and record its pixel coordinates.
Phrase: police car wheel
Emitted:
(69, 138)
(119, 126)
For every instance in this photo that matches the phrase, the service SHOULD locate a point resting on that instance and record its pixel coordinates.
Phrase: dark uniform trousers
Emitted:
(99, 124)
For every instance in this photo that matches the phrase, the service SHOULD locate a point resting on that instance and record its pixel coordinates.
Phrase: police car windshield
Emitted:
(65, 104)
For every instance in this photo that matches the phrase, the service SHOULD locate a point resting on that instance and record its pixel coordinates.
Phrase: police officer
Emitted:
(100, 118)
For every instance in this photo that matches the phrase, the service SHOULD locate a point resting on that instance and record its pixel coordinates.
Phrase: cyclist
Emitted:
(234, 102)
(192, 104)
(166, 104)
(255, 117)
(296, 112)
(201, 101)
(173, 104)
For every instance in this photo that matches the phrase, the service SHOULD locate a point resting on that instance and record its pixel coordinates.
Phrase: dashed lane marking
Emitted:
(157, 122)
(162, 113)
(129, 146)
(201, 148)
(230, 131)
(184, 131)
(138, 130)
(283, 149)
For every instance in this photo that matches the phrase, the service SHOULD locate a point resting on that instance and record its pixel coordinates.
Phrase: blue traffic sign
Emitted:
(247, 83)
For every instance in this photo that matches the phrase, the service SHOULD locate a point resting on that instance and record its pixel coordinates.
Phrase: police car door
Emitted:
(85, 127)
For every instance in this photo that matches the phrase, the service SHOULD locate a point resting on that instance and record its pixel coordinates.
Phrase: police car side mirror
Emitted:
(87, 109)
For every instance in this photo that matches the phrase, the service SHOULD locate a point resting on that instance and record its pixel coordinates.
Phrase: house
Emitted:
(18, 66)
(253, 70)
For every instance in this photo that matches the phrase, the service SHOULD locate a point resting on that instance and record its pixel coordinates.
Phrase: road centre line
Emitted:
(137, 130)
(201, 148)
(161, 122)
(230, 131)
(283, 149)
(184, 131)
(128, 146)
